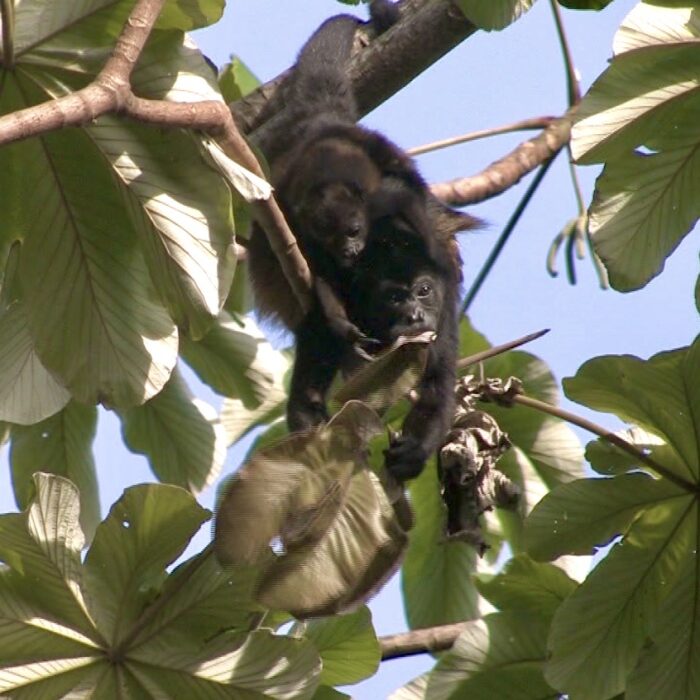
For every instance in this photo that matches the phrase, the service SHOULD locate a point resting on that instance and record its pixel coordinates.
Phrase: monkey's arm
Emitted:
(338, 321)
(430, 417)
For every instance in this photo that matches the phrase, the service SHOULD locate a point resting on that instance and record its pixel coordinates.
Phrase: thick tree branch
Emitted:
(422, 641)
(427, 30)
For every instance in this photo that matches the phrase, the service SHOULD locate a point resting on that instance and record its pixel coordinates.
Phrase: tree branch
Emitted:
(111, 92)
(421, 641)
(509, 170)
(427, 30)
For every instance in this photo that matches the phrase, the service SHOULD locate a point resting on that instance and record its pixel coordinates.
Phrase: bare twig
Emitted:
(522, 125)
(507, 171)
(499, 349)
(422, 641)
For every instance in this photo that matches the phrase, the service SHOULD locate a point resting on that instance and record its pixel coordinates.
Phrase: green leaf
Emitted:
(390, 377)
(528, 586)
(650, 24)
(645, 205)
(28, 393)
(236, 80)
(596, 5)
(180, 434)
(451, 595)
(259, 664)
(348, 647)
(499, 656)
(59, 445)
(314, 492)
(496, 14)
(87, 291)
(608, 459)
(667, 664)
(146, 529)
(235, 359)
(41, 548)
(655, 394)
(579, 517)
(644, 93)
(620, 600)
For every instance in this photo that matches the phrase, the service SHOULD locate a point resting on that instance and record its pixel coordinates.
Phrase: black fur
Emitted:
(368, 227)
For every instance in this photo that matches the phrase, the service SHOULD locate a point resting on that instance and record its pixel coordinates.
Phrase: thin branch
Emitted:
(573, 89)
(503, 238)
(507, 171)
(523, 125)
(422, 641)
(7, 17)
(499, 349)
(612, 438)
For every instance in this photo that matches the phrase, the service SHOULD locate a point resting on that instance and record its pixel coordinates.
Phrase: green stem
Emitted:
(7, 14)
(612, 438)
(572, 86)
(505, 235)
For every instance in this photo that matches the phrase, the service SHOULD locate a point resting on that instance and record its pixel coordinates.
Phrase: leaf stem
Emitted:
(612, 438)
(7, 15)
(572, 85)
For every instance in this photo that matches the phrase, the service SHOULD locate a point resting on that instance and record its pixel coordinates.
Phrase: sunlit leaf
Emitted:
(28, 392)
(235, 359)
(148, 528)
(236, 80)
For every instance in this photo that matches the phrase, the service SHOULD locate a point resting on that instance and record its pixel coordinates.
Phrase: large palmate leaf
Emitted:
(641, 118)
(632, 618)
(119, 623)
(125, 229)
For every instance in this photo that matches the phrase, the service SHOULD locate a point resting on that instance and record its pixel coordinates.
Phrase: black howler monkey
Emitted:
(407, 282)
(366, 223)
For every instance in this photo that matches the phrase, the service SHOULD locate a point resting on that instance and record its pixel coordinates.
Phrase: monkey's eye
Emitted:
(424, 290)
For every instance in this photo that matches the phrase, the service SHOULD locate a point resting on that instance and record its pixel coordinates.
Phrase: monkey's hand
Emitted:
(362, 344)
(405, 457)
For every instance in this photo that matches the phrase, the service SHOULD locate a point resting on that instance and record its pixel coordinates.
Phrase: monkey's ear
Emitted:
(447, 221)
